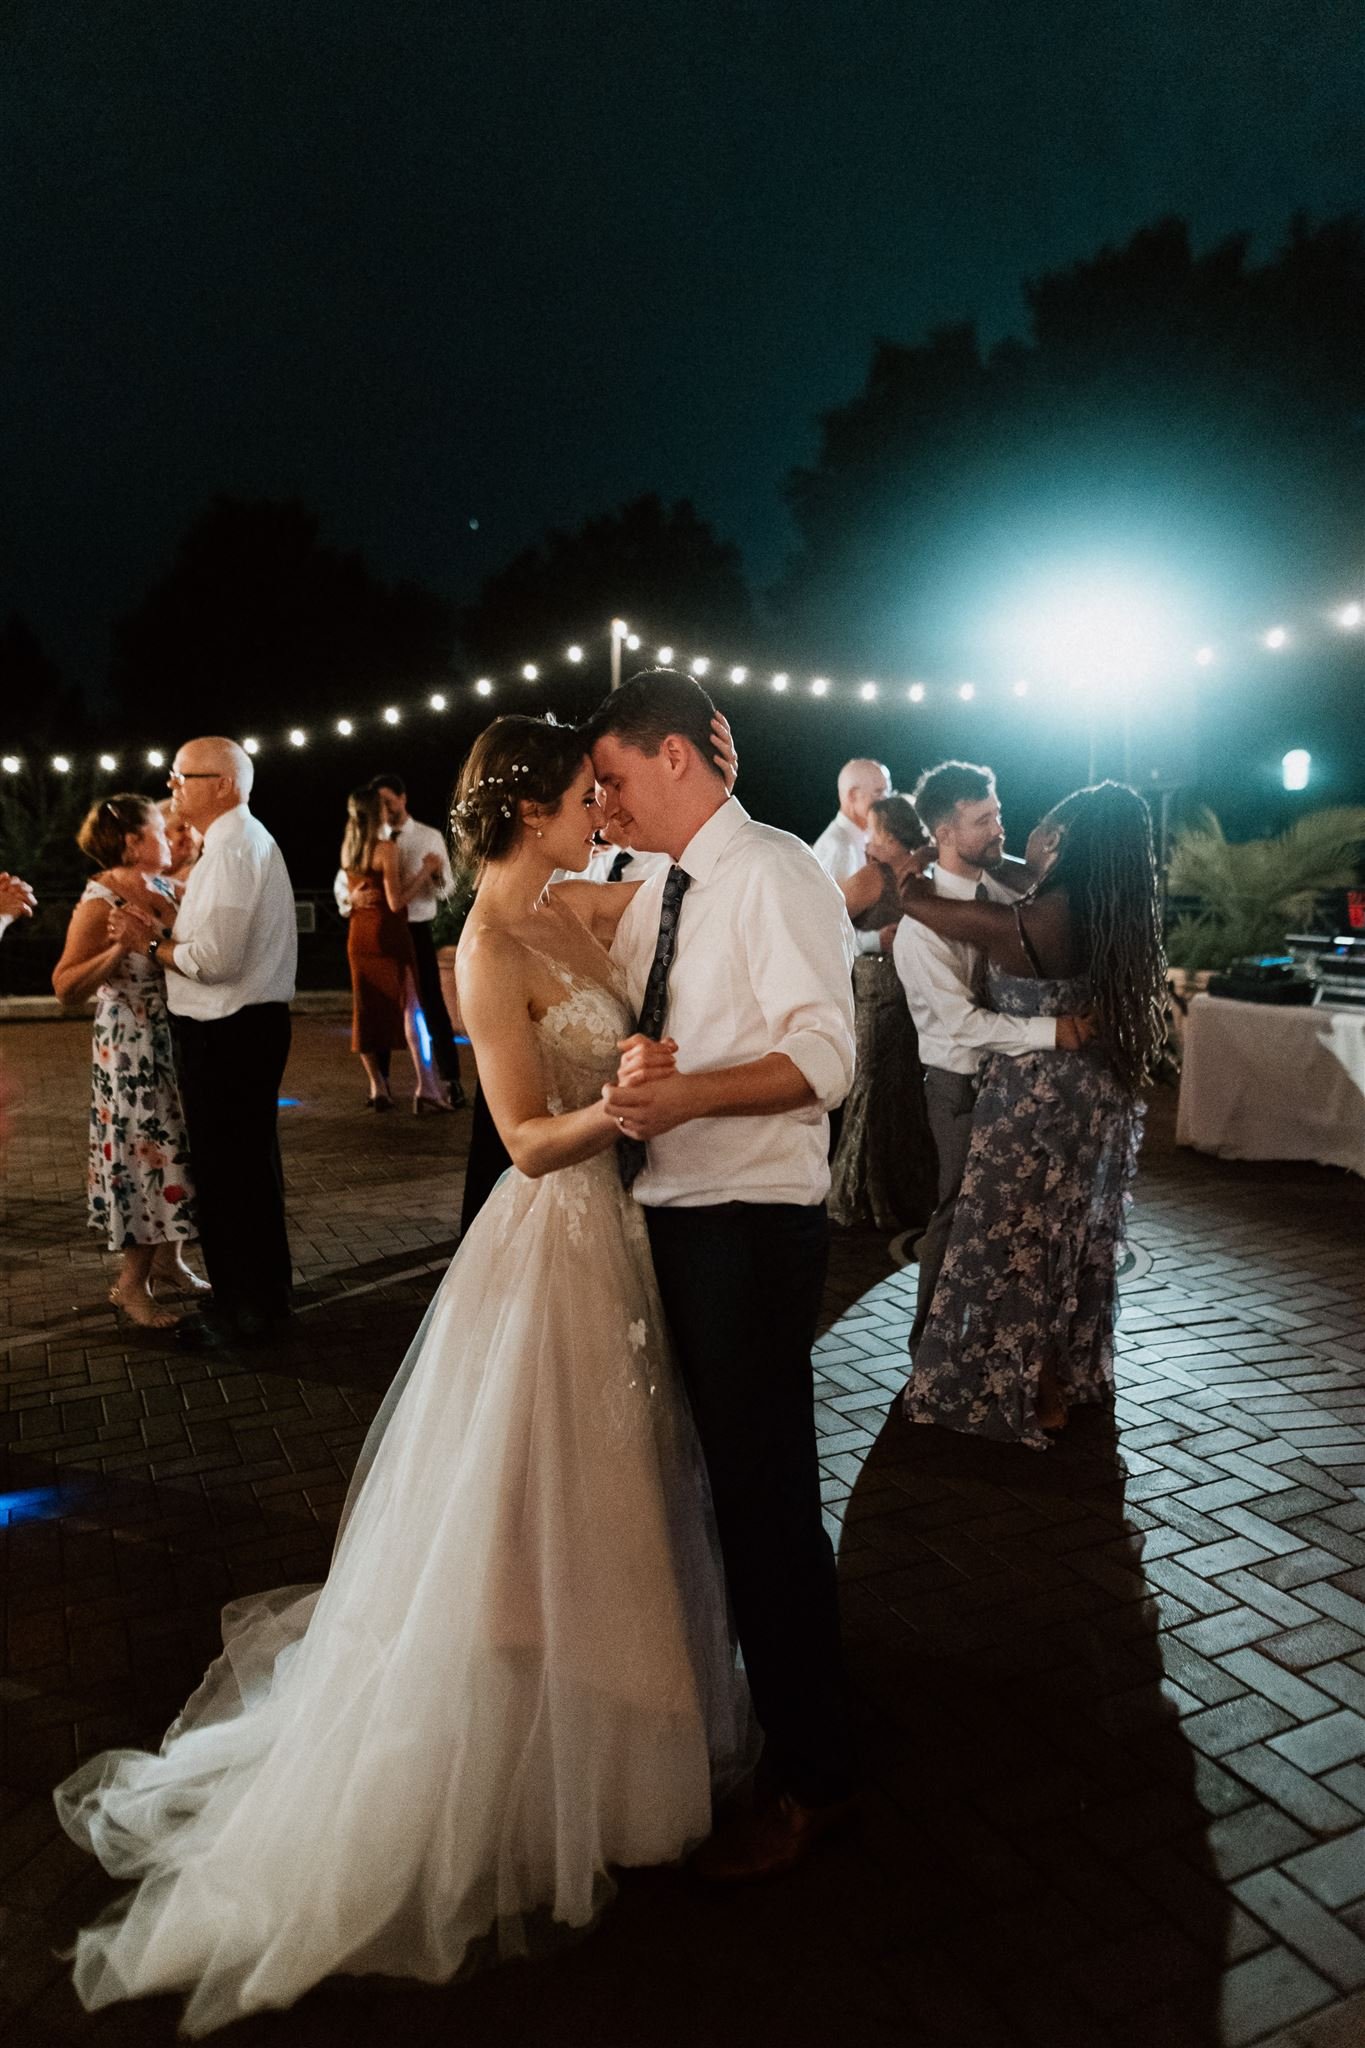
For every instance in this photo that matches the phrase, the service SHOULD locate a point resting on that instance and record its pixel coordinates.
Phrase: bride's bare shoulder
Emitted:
(490, 956)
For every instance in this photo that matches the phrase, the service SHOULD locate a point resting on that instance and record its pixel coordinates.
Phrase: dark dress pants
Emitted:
(741, 1285)
(950, 1100)
(230, 1073)
(488, 1161)
(444, 1050)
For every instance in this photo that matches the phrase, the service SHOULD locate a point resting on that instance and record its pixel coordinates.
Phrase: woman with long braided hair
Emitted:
(1022, 1323)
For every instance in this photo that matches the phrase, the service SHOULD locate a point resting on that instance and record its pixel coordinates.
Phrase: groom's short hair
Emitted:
(645, 710)
(940, 790)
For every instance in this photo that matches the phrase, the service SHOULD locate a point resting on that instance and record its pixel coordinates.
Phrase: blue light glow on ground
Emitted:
(34, 1500)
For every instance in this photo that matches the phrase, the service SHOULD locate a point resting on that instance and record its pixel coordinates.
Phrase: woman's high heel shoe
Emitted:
(422, 1103)
(380, 1103)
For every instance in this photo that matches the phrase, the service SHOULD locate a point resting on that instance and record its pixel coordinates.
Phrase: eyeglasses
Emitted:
(194, 775)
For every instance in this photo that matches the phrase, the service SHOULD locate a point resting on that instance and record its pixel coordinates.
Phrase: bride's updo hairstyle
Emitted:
(514, 760)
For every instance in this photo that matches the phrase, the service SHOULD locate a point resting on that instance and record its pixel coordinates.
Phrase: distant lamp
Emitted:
(1294, 768)
(665, 655)
(916, 693)
(576, 652)
(392, 714)
(298, 737)
(484, 687)
(633, 642)
(966, 692)
(701, 664)
(819, 686)
(781, 680)
(107, 763)
(1350, 616)
(867, 691)
(437, 701)
(345, 728)
(1204, 657)
(1276, 638)
(739, 675)
(155, 758)
(251, 746)
(61, 764)
(11, 764)
(531, 673)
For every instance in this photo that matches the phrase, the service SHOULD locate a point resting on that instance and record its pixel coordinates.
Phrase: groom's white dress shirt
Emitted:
(763, 964)
(415, 842)
(939, 975)
(236, 936)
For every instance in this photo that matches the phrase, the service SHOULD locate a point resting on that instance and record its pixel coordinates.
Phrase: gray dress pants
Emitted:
(949, 1099)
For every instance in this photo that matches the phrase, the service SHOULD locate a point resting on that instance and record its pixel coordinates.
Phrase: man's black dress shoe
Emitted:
(205, 1333)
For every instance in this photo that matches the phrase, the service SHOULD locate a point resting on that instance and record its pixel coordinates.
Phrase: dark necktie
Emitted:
(983, 894)
(619, 865)
(630, 1152)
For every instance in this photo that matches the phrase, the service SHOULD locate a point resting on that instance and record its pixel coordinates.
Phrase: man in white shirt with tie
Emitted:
(415, 841)
(841, 848)
(960, 810)
(732, 1174)
(230, 964)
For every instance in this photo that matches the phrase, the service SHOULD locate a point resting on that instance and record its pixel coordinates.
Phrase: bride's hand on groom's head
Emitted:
(726, 755)
(645, 1059)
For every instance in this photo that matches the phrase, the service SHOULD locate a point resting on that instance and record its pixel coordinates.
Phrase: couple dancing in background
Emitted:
(520, 1671)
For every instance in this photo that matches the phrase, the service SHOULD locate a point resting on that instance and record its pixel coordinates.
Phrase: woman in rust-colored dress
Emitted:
(383, 964)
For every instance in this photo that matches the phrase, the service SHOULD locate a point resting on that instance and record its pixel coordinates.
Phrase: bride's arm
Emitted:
(494, 1003)
(599, 905)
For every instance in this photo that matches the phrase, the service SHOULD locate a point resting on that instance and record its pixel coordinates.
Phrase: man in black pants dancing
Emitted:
(727, 1155)
(415, 841)
(230, 965)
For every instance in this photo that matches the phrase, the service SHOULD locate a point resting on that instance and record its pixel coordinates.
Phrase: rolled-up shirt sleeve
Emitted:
(214, 949)
(801, 965)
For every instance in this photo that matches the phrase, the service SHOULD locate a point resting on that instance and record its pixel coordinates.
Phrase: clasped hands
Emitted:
(131, 929)
(649, 1096)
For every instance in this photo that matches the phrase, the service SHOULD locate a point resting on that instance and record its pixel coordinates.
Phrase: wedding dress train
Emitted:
(517, 1674)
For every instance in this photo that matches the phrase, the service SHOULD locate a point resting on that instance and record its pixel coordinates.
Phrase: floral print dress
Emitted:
(139, 1185)
(1029, 1277)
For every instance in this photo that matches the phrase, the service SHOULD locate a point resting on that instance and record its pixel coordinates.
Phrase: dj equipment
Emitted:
(1264, 978)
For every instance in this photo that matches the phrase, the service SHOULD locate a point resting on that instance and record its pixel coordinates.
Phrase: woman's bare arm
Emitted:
(88, 957)
(494, 977)
(598, 905)
(861, 891)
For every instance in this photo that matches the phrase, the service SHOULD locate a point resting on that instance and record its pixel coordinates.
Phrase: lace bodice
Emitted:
(578, 1036)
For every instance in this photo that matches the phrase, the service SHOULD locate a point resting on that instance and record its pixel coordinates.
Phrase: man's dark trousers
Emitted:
(444, 1050)
(230, 1074)
(949, 1100)
(741, 1284)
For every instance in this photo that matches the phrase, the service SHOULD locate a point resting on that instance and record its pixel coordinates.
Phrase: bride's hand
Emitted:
(645, 1059)
(726, 755)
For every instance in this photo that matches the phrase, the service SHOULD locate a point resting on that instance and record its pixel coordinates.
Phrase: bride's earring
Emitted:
(539, 833)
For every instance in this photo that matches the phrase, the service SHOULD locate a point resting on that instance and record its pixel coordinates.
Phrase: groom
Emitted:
(741, 951)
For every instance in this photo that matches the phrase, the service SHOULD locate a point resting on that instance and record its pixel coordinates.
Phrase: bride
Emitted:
(518, 1673)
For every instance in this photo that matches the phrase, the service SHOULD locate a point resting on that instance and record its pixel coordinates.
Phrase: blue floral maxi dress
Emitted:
(139, 1184)
(1029, 1277)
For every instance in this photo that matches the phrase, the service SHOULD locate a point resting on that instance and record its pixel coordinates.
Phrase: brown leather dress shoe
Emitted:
(769, 1841)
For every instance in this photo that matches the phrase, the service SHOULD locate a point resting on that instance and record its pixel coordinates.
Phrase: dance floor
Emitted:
(1111, 1698)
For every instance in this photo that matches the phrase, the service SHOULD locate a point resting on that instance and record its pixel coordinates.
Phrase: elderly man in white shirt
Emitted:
(230, 965)
(732, 1174)
(415, 841)
(960, 810)
(841, 848)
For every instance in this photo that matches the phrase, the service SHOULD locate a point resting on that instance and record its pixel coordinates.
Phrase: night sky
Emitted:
(423, 264)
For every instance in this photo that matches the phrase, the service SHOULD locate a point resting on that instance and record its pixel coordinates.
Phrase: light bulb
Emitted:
(484, 687)
(297, 737)
(345, 728)
(436, 701)
(392, 714)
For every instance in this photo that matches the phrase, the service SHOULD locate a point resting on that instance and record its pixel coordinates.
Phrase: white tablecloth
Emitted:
(1259, 1082)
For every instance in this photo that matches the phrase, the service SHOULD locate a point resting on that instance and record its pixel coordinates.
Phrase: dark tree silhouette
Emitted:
(660, 564)
(1198, 412)
(258, 622)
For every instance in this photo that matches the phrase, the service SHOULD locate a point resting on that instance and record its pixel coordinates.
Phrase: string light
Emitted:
(61, 764)
(392, 714)
(436, 701)
(916, 693)
(345, 728)
(576, 652)
(297, 737)
(1205, 657)
(739, 675)
(966, 691)
(155, 758)
(484, 687)
(619, 631)
(867, 691)
(700, 665)
(665, 656)
(108, 763)
(1021, 688)
(780, 681)
(819, 686)
(11, 764)
(251, 746)
(1350, 616)
(531, 673)
(633, 642)
(1276, 638)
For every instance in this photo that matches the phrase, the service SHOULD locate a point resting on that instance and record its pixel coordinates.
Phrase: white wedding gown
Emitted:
(517, 1674)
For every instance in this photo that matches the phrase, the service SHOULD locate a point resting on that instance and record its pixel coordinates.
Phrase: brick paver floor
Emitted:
(1111, 1698)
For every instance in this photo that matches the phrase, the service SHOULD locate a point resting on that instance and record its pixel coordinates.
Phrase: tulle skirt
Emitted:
(517, 1675)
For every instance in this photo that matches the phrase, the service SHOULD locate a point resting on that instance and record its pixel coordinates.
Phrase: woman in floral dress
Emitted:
(139, 1185)
(1022, 1323)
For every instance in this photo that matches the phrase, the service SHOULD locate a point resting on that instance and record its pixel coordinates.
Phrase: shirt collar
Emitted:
(954, 885)
(843, 823)
(705, 847)
(238, 811)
